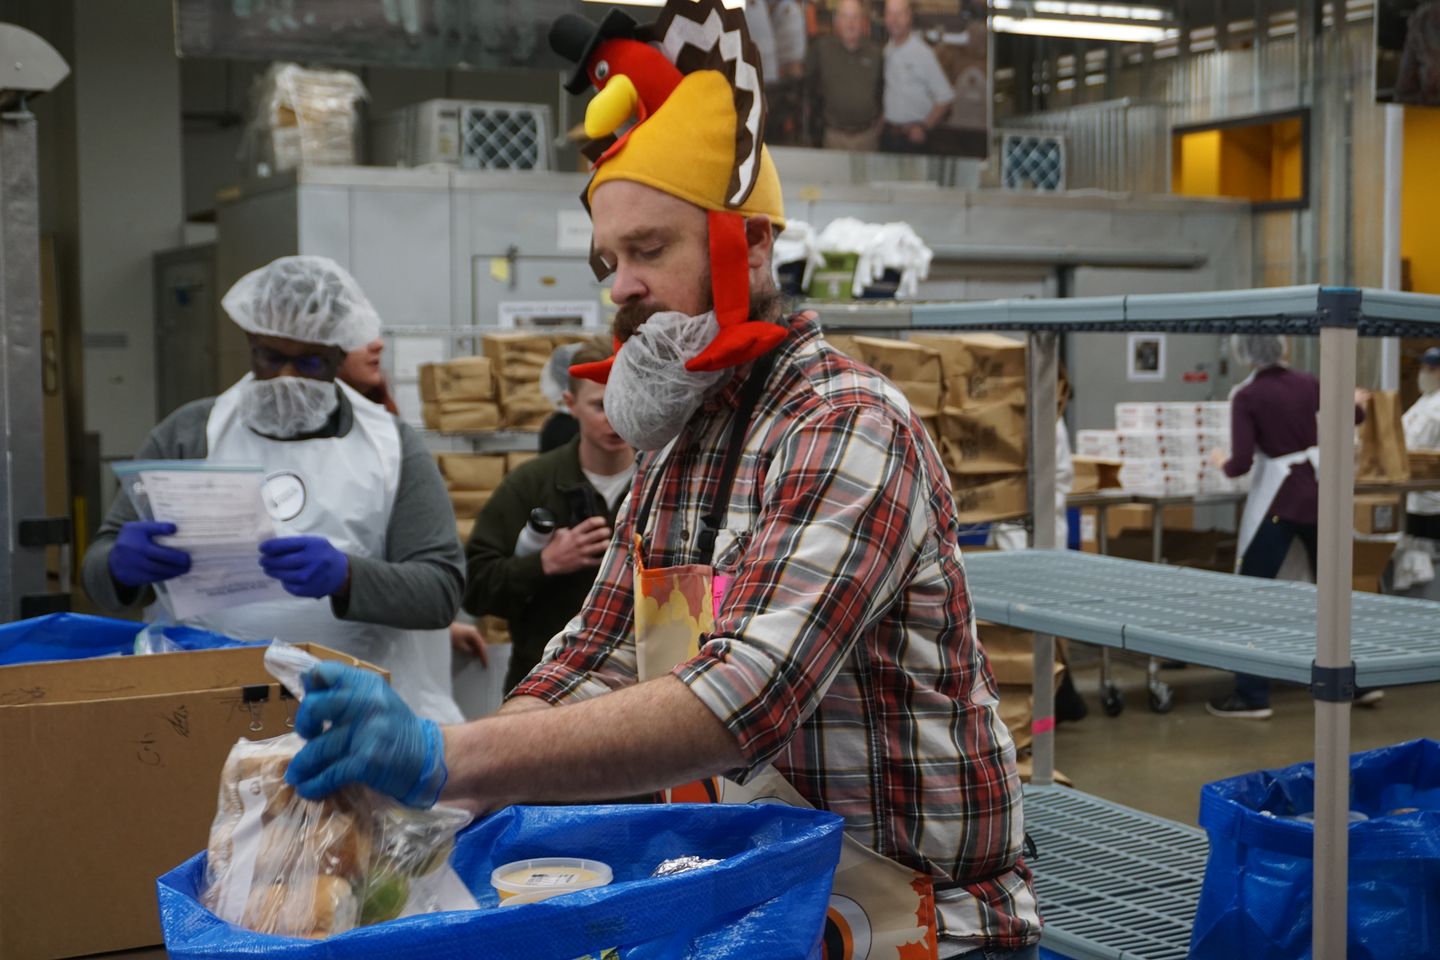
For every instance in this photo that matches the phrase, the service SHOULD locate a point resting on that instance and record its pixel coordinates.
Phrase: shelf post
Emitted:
(1042, 370)
(1332, 653)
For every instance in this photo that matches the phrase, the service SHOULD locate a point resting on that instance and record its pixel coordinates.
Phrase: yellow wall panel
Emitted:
(1420, 198)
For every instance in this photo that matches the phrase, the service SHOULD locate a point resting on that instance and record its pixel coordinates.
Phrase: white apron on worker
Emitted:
(878, 908)
(1412, 569)
(342, 489)
(1267, 476)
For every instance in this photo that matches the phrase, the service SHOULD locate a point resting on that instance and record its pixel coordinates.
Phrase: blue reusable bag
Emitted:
(1256, 899)
(75, 636)
(766, 899)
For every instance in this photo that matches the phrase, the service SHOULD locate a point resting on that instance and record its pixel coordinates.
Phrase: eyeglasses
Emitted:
(312, 365)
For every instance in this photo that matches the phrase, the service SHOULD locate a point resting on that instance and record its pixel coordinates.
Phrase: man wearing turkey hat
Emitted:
(783, 612)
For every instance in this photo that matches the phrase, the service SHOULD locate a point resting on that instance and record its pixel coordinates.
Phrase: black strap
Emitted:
(712, 522)
(713, 519)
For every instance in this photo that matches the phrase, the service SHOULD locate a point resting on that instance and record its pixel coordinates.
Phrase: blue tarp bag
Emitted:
(75, 636)
(1256, 899)
(766, 899)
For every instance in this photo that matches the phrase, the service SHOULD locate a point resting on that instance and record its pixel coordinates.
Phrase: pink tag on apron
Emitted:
(719, 586)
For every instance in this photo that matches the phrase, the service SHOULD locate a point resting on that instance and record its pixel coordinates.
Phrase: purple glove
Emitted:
(306, 566)
(136, 560)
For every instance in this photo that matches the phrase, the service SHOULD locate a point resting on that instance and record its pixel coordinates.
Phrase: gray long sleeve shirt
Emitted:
(417, 586)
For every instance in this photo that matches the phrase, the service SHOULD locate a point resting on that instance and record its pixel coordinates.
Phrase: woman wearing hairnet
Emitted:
(365, 537)
(1273, 439)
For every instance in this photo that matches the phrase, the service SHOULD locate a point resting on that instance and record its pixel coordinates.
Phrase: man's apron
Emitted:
(342, 489)
(879, 909)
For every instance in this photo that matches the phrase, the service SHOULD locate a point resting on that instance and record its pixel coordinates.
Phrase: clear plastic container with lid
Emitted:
(528, 881)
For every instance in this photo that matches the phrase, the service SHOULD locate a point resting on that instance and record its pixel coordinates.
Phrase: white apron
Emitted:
(1267, 476)
(342, 489)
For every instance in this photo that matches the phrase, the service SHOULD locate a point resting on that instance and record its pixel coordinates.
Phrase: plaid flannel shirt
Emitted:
(845, 651)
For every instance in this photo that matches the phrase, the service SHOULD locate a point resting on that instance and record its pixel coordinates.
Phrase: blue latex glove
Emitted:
(307, 566)
(373, 738)
(136, 560)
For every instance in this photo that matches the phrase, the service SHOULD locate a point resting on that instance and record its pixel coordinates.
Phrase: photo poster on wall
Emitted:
(1145, 357)
(1407, 52)
(841, 74)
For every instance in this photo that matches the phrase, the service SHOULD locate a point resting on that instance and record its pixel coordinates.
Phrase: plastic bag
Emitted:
(280, 864)
(766, 898)
(1256, 900)
(75, 636)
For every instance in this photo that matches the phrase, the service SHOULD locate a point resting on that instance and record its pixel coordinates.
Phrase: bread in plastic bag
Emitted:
(283, 865)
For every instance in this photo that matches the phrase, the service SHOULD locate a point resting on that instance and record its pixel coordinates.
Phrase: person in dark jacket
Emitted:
(582, 485)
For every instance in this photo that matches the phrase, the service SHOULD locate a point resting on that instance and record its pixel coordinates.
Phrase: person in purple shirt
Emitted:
(1273, 438)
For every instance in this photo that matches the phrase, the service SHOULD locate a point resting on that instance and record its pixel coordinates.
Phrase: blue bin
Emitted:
(767, 898)
(1256, 901)
(75, 636)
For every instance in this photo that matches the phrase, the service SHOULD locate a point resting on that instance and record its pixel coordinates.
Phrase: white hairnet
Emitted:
(310, 299)
(1258, 350)
(650, 394)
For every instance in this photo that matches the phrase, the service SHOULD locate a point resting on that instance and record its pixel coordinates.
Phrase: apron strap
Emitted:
(712, 520)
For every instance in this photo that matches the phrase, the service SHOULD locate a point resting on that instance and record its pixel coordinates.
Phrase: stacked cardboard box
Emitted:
(1165, 448)
(458, 396)
(519, 359)
(471, 479)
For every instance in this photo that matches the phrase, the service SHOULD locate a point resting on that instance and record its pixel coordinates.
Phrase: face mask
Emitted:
(650, 395)
(285, 407)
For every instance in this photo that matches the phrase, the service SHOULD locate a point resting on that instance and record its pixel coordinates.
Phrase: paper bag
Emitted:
(979, 368)
(913, 368)
(980, 499)
(987, 439)
(1381, 455)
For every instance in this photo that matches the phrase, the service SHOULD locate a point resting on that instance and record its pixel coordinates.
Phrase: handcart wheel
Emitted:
(1112, 701)
(1162, 698)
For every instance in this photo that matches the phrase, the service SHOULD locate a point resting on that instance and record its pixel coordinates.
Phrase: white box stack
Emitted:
(1165, 448)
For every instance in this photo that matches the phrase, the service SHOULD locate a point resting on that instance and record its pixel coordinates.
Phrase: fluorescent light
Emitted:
(1080, 29)
(1089, 11)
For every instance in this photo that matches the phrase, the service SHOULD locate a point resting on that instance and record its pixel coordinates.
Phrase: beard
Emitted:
(768, 305)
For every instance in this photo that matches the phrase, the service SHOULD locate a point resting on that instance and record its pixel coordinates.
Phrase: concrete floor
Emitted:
(1158, 762)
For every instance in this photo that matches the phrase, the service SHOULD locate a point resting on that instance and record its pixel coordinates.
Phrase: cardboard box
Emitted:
(461, 416)
(1371, 558)
(526, 410)
(515, 458)
(111, 772)
(979, 499)
(1424, 464)
(1201, 549)
(467, 378)
(979, 368)
(1379, 513)
(1093, 474)
(467, 504)
(471, 471)
(987, 439)
(1136, 516)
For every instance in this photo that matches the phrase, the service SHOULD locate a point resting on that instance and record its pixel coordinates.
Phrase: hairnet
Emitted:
(310, 299)
(1258, 350)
